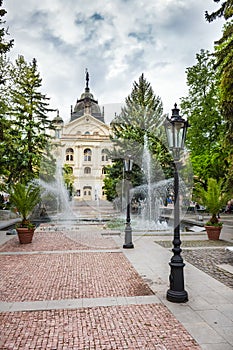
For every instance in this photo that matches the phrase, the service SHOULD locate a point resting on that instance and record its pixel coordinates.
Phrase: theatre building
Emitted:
(82, 144)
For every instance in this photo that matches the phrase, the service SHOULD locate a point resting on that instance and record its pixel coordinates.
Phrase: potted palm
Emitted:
(213, 200)
(25, 197)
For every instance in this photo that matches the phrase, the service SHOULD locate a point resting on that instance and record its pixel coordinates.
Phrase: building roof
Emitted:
(86, 104)
(57, 120)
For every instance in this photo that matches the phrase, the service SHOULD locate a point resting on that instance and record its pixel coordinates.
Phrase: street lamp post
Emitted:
(176, 128)
(128, 165)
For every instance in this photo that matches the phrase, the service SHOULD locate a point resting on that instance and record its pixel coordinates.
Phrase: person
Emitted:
(229, 207)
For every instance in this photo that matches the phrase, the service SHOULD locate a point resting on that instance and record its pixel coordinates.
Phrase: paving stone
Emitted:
(133, 327)
(57, 240)
(68, 276)
(208, 260)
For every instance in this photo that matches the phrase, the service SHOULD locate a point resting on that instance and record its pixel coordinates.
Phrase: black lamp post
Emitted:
(176, 128)
(128, 165)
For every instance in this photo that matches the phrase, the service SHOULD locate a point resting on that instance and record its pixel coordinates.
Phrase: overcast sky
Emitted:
(116, 40)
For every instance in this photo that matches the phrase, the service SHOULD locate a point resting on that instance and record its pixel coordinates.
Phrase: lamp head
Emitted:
(176, 128)
(128, 163)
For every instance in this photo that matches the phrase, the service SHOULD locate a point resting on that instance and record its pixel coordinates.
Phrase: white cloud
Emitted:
(116, 40)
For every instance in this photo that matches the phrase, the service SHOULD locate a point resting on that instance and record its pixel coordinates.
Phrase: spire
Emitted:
(58, 119)
(87, 81)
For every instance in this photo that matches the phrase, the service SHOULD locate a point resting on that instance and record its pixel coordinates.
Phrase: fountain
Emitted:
(56, 200)
(154, 212)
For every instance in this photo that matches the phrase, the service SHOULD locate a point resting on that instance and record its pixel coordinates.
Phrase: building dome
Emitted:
(86, 104)
(57, 120)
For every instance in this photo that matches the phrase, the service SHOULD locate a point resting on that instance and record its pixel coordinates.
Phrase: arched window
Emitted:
(87, 133)
(104, 155)
(104, 171)
(87, 170)
(87, 191)
(69, 154)
(87, 155)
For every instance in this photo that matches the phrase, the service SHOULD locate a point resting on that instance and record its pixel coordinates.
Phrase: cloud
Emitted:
(116, 40)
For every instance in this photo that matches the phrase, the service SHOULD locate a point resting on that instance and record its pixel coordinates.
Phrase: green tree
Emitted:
(4, 44)
(141, 116)
(28, 115)
(204, 137)
(224, 64)
(68, 178)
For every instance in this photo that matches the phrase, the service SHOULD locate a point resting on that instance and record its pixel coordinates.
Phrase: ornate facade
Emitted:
(82, 145)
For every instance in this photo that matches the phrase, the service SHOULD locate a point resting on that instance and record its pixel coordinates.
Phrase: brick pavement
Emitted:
(56, 240)
(117, 327)
(68, 276)
(51, 275)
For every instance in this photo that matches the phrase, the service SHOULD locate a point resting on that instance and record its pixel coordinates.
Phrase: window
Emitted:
(87, 191)
(104, 171)
(87, 133)
(104, 155)
(69, 154)
(58, 133)
(87, 155)
(87, 170)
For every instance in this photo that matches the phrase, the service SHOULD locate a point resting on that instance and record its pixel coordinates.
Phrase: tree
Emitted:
(225, 10)
(27, 114)
(4, 45)
(142, 116)
(204, 137)
(224, 64)
(142, 113)
(68, 178)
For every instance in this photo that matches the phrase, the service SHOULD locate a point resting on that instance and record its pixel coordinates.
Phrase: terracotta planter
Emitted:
(213, 232)
(25, 234)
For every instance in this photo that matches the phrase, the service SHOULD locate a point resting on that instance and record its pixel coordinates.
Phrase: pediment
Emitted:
(85, 125)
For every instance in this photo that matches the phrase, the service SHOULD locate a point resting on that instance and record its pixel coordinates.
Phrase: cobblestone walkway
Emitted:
(56, 268)
(117, 327)
(207, 259)
(68, 276)
(57, 240)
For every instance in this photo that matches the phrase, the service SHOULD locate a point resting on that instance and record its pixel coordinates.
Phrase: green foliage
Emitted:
(113, 177)
(143, 110)
(116, 224)
(25, 142)
(225, 10)
(224, 64)
(68, 178)
(24, 197)
(205, 136)
(141, 115)
(212, 198)
(216, 224)
(4, 45)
